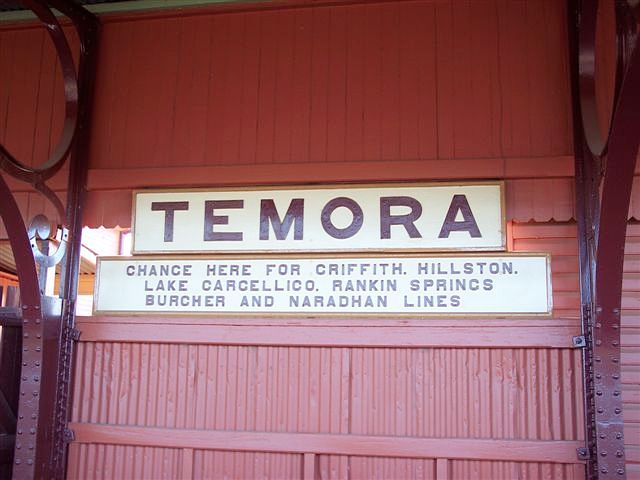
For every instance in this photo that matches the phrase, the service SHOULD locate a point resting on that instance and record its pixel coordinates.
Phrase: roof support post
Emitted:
(603, 163)
(48, 322)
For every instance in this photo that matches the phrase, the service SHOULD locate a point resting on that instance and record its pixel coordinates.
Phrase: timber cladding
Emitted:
(285, 398)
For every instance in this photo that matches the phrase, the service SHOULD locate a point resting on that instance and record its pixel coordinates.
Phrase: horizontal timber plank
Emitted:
(448, 336)
(557, 451)
(283, 173)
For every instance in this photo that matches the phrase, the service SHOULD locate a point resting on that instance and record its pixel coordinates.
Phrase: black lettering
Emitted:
(169, 209)
(281, 228)
(407, 220)
(349, 231)
(468, 223)
(210, 219)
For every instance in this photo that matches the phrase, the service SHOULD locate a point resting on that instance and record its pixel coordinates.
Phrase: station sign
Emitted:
(490, 284)
(346, 218)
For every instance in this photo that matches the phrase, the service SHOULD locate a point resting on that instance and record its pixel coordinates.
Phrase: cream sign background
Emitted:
(440, 217)
(418, 285)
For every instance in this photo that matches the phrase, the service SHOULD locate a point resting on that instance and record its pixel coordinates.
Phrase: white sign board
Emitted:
(416, 285)
(435, 217)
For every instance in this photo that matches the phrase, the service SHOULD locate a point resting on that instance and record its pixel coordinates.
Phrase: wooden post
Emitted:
(442, 469)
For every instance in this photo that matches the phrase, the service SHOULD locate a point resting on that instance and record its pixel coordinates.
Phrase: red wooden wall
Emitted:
(360, 92)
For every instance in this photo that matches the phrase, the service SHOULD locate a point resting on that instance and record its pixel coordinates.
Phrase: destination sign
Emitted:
(442, 217)
(414, 285)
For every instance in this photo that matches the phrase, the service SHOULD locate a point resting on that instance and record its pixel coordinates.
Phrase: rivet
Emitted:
(599, 392)
(616, 393)
(25, 350)
(37, 321)
(24, 364)
(24, 307)
(26, 335)
(38, 349)
(35, 378)
(18, 461)
(600, 409)
(599, 309)
(615, 376)
(598, 375)
(598, 342)
(34, 416)
(20, 417)
(22, 393)
(617, 410)
(20, 432)
(598, 325)
(604, 470)
(615, 326)
(603, 436)
(24, 379)
(30, 462)
(598, 359)
(31, 446)
(619, 454)
(615, 343)
(37, 307)
(18, 446)
(618, 435)
(620, 471)
(603, 453)
(38, 336)
(35, 394)
(32, 431)
(614, 360)
(37, 364)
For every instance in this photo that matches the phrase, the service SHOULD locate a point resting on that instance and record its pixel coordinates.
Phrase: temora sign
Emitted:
(414, 217)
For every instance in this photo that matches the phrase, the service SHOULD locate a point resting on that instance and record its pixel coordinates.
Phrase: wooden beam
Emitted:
(474, 337)
(557, 451)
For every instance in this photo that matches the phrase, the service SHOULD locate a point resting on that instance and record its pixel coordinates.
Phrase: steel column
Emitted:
(47, 322)
(609, 158)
